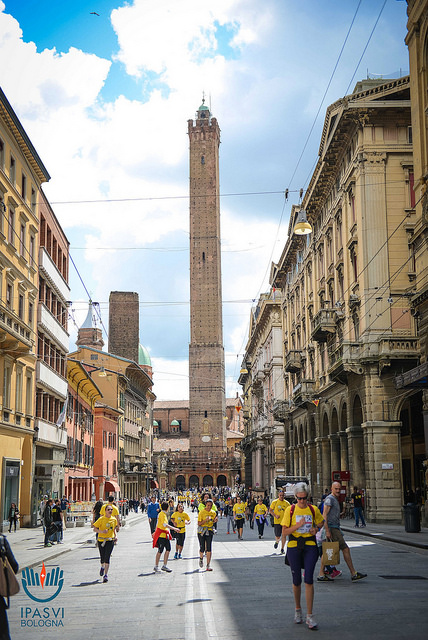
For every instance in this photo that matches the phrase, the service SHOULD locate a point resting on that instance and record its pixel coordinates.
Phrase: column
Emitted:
(356, 456)
(383, 470)
(325, 459)
(344, 462)
(334, 452)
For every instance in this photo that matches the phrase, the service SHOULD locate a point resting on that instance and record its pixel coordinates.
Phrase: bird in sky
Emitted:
(94, 13)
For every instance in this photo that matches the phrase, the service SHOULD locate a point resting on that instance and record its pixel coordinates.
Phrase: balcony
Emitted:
(281, 410)
(344, 360)
(50, 433)
(293, 361)
(304, 391)
(50, 379)
(392, 349)
(15, 335)
(323, 325)
(51, 325)
(50, 271)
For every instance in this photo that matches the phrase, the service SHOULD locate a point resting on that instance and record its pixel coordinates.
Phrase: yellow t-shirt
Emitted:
(278, 507)
(179, 520)
(260, 510)
(162, 521)
(202, 506)
(298, 515)
(207, 514)
(239, 509)
(106, 523)
(114, 513)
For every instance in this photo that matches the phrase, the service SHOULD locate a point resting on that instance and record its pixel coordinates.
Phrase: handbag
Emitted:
(9, 585)
(330, 553)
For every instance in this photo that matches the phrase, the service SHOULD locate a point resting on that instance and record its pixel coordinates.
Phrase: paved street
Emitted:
(248, 595)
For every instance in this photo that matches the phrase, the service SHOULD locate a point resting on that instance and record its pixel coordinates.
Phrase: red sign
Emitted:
(341, 476)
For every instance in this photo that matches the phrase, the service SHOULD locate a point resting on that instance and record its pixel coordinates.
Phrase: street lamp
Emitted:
(302, 226)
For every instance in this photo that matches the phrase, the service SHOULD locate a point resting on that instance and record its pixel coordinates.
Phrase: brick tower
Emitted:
(124, 324)
(207, 429)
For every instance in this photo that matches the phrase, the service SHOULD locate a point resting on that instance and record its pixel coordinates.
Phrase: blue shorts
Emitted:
(302, 558)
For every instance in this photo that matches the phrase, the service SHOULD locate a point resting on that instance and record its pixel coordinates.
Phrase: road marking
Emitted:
(189, 609)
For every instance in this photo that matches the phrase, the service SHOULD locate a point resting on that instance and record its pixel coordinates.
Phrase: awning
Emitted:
(111, 485)
(154, 484)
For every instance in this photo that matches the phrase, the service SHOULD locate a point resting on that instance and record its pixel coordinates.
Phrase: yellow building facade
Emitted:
(21, 175)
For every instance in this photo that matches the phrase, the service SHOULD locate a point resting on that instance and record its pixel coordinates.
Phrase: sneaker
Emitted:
(208, 568)
(48, 544)
(356, 526)
(336, 573)
(324, 578)
(363, 525)
(156, 569)
(260, 537)
(358, 576)
(201, 562)
(175, 556)
(105, 579)
(167, 569)
(282, 551)
(102, 571)
(179, 556)
(275, 546)
(228, 532)
(60, 542)
(298, 616)
(310, 621)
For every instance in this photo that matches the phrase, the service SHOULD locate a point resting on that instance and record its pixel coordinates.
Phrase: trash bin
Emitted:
(412, 521)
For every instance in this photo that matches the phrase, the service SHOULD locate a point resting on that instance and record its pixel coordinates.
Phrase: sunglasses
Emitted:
(305, 498)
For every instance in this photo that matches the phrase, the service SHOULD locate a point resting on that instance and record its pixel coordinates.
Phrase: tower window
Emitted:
(202, 159)
(206, 414)
(203, 260)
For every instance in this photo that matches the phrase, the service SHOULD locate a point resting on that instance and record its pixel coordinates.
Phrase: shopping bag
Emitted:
(330, 553)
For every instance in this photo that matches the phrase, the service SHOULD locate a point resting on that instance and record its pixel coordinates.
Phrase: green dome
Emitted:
(203, 107)
(144, 359)
(174, 423)
(155, 423)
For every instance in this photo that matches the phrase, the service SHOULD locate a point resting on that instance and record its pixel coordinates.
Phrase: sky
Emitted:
(104, 90)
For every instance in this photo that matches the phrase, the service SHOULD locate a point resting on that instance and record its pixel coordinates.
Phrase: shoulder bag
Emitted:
(9, 585)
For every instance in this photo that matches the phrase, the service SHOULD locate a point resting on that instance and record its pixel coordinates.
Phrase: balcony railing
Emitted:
(52, 326)
(51, 273)
(15, 335)
(293, 361)
(304, 391)
(281, 410)
(323, 324)
(345, 359)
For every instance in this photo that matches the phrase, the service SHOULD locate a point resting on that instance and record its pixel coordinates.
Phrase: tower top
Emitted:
(203, 112)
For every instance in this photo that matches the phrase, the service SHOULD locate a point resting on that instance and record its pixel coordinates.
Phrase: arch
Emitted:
(301, 435)
(221, 481)
(194, 481)
(324, 430)
(334, 428)
(357, 412)
(207, 481)
(180, 482)
(312, 430)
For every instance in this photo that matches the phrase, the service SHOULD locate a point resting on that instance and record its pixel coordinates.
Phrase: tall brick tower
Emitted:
(124, 324)
(206, 355)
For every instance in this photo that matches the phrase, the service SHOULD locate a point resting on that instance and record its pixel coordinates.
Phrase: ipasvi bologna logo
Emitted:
(42, 587)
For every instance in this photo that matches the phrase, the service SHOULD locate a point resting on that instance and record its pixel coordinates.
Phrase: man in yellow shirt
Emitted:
(239, 513)
(260, 513)
(162, 538)
(115, 512)
(277, 509)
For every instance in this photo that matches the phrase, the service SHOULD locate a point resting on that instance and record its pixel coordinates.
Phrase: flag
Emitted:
(61, 417)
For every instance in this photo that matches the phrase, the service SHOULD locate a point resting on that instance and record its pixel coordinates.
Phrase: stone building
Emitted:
(415, 381)
(346, 290)
(21, 176)
(262, 380)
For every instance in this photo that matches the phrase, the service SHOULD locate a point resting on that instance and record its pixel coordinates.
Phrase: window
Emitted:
(33, 200)
(12, 170)
(356, 324)
(106, 467)
(29, 395)
(18, 402)
(7, 374)
(21, 306)
(31, 252)
(412, 190)
(30, 313)
(11, 233)
(354, 264)
(9, 295)
(23, 186)
(22, 239)
(1, 154)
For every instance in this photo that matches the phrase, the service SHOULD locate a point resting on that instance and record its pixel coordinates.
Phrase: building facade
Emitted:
(21, 175)
(346, 314)
(262, 380)
(52, 349)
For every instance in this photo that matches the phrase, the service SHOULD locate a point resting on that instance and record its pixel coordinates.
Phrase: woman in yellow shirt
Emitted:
(206, 519)
(106, 526)
(300, 523)
(239, 513)
(179, 518)
(260, 513)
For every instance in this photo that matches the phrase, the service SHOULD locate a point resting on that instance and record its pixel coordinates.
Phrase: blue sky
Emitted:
(105, 100)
